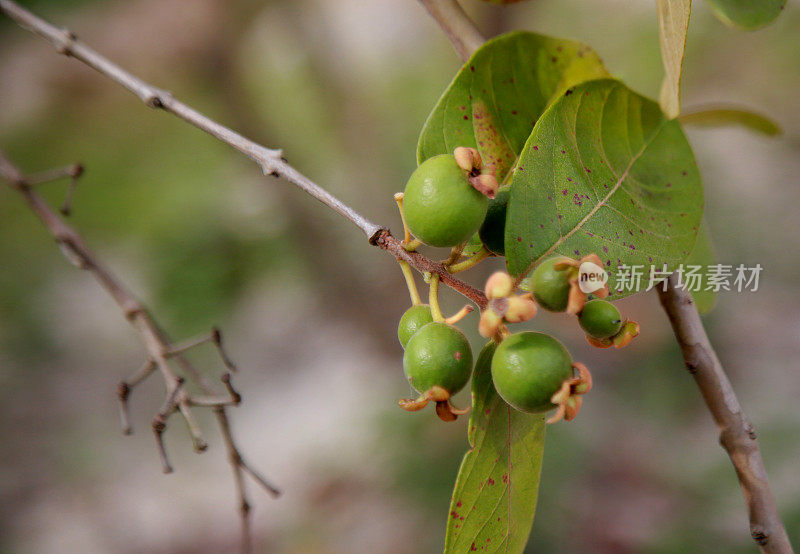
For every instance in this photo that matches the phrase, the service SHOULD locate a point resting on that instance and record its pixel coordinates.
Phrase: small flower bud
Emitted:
(499, 285)
(520, 308)
(467, 159)
(489, 323)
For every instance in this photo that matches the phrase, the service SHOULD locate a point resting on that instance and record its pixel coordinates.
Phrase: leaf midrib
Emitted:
(564, 237)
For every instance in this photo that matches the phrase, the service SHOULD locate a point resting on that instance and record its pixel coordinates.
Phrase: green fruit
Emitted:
(412, 320)
(600, 319)
(493, 229)
(550, 286)
(441, 207)
(438, 355)
(528, 368)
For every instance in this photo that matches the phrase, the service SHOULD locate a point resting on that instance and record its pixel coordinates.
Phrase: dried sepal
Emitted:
(629, 331)
(412, 404)
(599, 343)
(468, 159)
(444, 409)
(577, 298)
(485, 183)
(568, 398)
(444, 413)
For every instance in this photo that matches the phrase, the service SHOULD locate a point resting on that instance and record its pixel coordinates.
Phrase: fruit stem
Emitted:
(398, 197)
(472, 261)
(410, 283)
(458, 316)
(412, 245)
(455, 254)
(433, 301)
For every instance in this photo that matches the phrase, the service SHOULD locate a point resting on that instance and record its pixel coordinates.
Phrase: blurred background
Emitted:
(309, 310)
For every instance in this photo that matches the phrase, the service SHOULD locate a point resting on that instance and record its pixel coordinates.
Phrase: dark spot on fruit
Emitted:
(457, 355)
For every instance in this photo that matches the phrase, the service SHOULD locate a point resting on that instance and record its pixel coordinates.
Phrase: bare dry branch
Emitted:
(271, 161)
(736, 434)
(159, 348)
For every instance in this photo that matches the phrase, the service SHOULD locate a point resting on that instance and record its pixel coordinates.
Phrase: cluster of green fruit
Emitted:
(447, 201)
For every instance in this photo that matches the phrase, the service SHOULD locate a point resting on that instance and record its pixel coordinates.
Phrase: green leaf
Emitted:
(495, 494)
(703, 255)
(721, 117)
(473, 246)
(747, 14)
(604, 171)
(673, 22)
(500, 92)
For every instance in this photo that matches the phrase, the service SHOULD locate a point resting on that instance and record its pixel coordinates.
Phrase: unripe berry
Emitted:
(550, 286)
(600, 319)
(442, 207)
(438, 355)
(412, 321)
(528, 369)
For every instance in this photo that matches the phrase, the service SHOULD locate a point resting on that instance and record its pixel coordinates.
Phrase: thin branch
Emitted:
(736, 434)
(386, 241)
(124, 391)
(456, 24)
(270, 160)
(157, 344)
